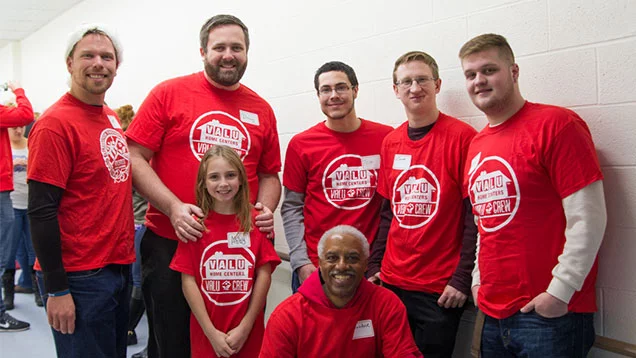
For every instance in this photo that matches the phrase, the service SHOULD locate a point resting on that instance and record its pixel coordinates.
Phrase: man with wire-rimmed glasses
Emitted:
(331, 171)
(425, 249)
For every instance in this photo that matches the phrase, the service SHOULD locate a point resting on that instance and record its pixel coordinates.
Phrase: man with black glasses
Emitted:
(426, 243)
(331, 171)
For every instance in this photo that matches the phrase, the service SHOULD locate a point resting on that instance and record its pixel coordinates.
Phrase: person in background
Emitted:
(536, 187)
(25, 253)
(140, 205)
(17, 116)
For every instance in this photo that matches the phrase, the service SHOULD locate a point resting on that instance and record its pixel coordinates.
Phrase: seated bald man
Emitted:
(336, 312)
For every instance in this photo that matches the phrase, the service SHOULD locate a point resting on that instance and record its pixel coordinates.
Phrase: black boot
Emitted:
(136, 312)
(8, 283)
(36, 289)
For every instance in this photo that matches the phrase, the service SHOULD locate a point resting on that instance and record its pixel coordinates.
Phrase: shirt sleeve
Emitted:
(294, 224)
(295, 173)
(571, 159)
(184, 259)
(586, 219)
(267, 253)
(50, 158)
(18, 116)
(461, 279)
(149, 125)
(281, 335)
(270, 158)
(378, 247)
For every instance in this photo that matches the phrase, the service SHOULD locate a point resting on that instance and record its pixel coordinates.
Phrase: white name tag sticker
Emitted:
(249, 117)
(402, 161)
(371, 162)
(113, 121)
(238, 239)
(364, 329)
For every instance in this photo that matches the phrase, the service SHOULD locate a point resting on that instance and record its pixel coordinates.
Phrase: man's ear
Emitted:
(515, 72)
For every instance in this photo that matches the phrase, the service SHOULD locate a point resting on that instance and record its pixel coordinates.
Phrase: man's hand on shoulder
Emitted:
(305, 271)
(264, 220)
(61, 313)
(451, 298)
(185, 226)
(546, 306)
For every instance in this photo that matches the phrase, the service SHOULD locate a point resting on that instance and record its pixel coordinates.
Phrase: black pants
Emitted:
(434, 328)
(167, 309)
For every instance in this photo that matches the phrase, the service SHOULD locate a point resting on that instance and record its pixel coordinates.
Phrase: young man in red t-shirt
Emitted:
(336, 312)
(331, 171)
(177, 123)
(80, 204)
(20, 115)
(536, 186)
(425, 249)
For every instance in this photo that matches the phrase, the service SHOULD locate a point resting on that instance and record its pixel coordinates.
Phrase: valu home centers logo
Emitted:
(494, 191)
(350, 181)
(416, 194)
(219, 128)
(226, 273)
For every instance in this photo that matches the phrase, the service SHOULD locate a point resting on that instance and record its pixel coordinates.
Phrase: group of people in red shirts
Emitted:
(431, 212)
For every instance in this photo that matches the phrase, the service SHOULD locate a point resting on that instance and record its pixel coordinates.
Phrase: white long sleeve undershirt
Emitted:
(586, 218)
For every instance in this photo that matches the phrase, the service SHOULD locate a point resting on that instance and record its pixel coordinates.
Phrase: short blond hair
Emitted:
(485, 42)
(416, 56)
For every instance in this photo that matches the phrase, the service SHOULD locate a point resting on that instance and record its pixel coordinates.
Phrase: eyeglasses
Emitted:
(340, 89)
(408, 82)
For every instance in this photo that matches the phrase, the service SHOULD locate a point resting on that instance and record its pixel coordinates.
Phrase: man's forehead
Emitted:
(346, 242)
(333, 78)
(220, 34)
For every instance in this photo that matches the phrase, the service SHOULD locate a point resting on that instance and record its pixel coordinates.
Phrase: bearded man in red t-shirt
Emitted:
(179, 120)
(536, 186)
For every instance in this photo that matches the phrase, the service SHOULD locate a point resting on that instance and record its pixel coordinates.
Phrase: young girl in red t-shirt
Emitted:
(226, 274)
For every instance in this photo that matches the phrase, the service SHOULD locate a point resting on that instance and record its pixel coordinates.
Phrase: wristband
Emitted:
(60, 293)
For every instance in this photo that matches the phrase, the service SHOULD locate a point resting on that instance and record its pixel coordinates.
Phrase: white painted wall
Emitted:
(576, 53)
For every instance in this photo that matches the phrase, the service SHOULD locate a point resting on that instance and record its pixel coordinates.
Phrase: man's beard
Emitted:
(225, 78)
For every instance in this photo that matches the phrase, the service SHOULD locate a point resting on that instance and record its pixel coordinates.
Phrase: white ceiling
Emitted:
(20, 18)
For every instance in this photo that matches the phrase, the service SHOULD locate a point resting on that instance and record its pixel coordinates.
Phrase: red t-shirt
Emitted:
(518, 175)
(372, 324)
(183, 117)
(338, 173)
(424, 181)
(223, 263)
(81, 149)
(11, 117)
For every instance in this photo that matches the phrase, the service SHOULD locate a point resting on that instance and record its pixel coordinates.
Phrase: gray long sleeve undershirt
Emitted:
(294, 224)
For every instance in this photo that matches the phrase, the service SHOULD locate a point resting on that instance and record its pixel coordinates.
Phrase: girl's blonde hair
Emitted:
(242, 204)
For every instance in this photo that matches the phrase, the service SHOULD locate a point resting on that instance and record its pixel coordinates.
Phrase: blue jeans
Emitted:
(24, 252)
(295, 282)
(101, 313)
(7, 240)
(136, 266)
(531, 335)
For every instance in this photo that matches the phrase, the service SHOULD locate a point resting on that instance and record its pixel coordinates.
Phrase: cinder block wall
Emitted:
(578, 54)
